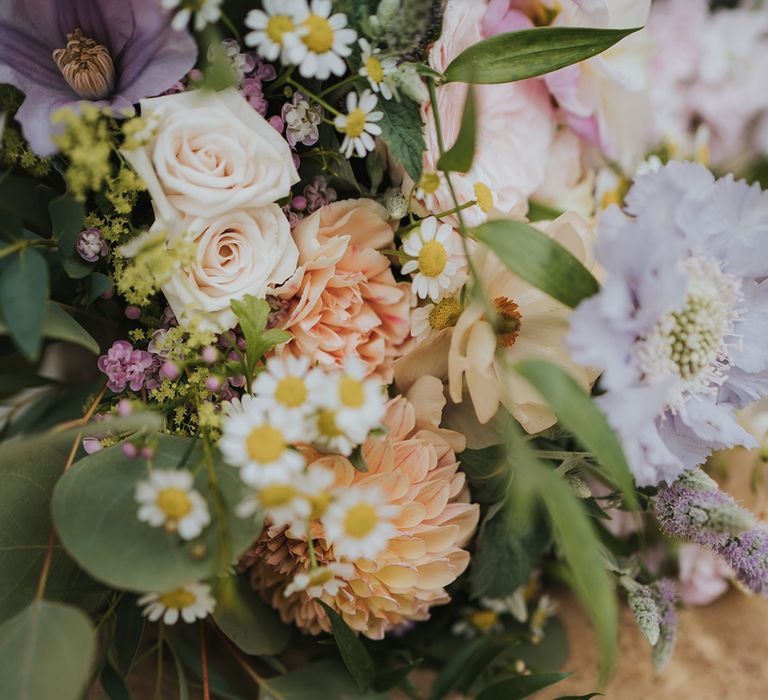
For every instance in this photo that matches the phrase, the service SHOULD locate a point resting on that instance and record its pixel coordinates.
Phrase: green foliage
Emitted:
(531, 52)
(251, 624)
(538, 259)
(459, 157)
(403, 132)
(317, 681)
(521, 686)
(94, 511)
(354, 654)
(67, 221)
(24, 289)
(463, 669)
(59, 325)
(46, 653)
(488, 473)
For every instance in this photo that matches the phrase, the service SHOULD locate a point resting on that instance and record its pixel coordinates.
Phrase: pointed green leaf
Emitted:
(355, 656)
(464, 667)
(521, 686)
(459, 157)
(579, 414)
(402, 131)
(67, 221)
(323, 680)
(530, 52)
(59, 325)
(538, 259)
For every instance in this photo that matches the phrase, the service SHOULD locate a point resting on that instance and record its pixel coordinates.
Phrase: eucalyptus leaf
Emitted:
(403, 132)
(460, 156)
(94, 510)
(57, 324)
(251, 624)
(354, 654)
(521, 686)
(579, 414)
(529, 53)
(46, 652)
(538, 259)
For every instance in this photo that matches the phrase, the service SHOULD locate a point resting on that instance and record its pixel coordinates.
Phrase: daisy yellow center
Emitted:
(351, 392)
(360, 520)
(320, 577)
(374, 69)
(265, 444)
(179, 598)
(484, 620)
(508, 321)
(291, 392)
(432, 258)
(326, 424)
(445, 314)
(320, 503)
(483, 196)
(319, 39)
(355, 123)
(174, 503)
(277, 26)
(429, 182)
(276, 495)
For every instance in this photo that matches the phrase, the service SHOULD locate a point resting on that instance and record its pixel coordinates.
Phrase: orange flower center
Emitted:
(508, 321)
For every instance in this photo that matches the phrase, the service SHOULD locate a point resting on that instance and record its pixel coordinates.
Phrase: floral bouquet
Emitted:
(340, 337)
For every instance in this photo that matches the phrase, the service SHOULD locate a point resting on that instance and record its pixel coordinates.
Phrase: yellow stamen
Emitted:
(320, 576)
(178, 599)
(351, 392)
(277, 26)
(484, 196)
(291, 392)
(360, 520)
(319, 39)
(326, 424)
(374, 69)
(265, 444)
(174, 503)
(355, 123)
(87, 66)
(484, 620)
(445, 314)
(432, 259)
(429, 182)
(276, 495)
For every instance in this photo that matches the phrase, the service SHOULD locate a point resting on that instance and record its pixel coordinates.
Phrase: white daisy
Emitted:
(359, 523)
(426, 189)
(274, 28)
(205, 12)
(325, 579)
(379, 71)
(321, 41)
(168, 499)
(284, 385)
(434, 317)
(358, 124)
(192, 602)
(259, 442)
(430, 248)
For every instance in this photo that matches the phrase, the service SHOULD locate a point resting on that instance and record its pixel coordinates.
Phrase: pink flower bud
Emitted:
(213, 384)
(129, 450)
(210, 355)
(147, 452)
(299, 202)
(277, 123)
(170, 370)
(124, 408)
(132, 312)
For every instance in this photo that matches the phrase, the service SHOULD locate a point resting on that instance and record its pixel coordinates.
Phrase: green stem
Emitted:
(159, 676)
(350, 79)
(312, 96)
(229, 24)
(440, 215)
(22, 245)
(556, 454)
(283, 79)
(312, 557)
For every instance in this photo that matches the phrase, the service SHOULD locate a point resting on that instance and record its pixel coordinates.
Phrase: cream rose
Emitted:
(245, 251)
(211, 153)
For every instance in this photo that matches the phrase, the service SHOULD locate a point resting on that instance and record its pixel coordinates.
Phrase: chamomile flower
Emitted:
(435, 317)
(378, 70)
(259, 442)
(359, 124)
(325, 579)
(359, 523)
(274, 28)
(284, 386)
(426, 188)
(321, 42)
(168, 499)
(205, 12)
(191, 602)
(430, 248)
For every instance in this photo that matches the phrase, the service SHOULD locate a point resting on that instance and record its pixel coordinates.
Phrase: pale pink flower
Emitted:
(703, 575)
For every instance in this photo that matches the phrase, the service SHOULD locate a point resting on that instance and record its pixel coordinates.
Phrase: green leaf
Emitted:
(113, 683)
(181, 676)
(488, 473)
(24, 288)
(538, 259)
(525, 54)
(253, 314)
(98, 284)
(357, 458)
(67, 217)
(579, 414)
(460, 156)
(403, 132)
(46, 653)
(317, 681)
(588, 696)
(521, 686)
(355, 656)
(129, 630)
(59, 325)
(94, 511)
(464, 667)
(251, 624)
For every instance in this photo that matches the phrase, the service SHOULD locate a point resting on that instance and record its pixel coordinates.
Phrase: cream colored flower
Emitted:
(211, 153)
(168, 499)
(191, 602)
(379, 71)
(285, 386)
(273, 28)
(204, 11)
(359, 124)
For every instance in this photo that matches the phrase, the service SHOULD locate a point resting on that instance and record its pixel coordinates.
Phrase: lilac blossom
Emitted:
(680, 327)
(125, 365)
(747, 555)
(113, 53)
(252, 84)
(91, 245)
(302, 119)
(318, 194)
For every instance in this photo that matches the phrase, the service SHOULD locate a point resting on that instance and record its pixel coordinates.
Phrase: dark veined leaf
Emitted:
(538, 259)
(521, 686)
(403, 132)
(459, 157)
(251, 624)
(461, 670)
(525, 54)
(354, 654)
(488, 473)
(24, 288)
(581, 416)
(46, 653)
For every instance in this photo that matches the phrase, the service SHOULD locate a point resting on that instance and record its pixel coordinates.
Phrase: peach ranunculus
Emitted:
(210, 153)
(534, 326)
(514, 131)
(343, 301)
(415, 465)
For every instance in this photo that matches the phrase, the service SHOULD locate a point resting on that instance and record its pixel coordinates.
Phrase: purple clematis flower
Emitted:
(111, 52)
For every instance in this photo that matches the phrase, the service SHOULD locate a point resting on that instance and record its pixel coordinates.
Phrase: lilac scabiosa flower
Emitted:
(112, 52)
(680, 326)
(124, 365)
(747, 555)
(91, 246)
(302, 119)
(694, 509)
